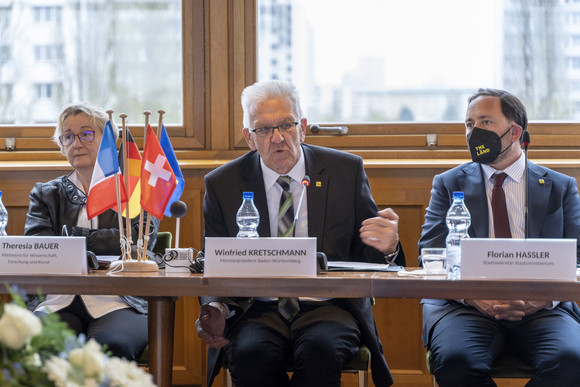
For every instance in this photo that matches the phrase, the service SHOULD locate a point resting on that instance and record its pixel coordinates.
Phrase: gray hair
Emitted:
(253, 95)
(97, 117)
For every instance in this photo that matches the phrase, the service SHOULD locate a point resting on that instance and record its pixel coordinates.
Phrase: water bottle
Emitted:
(458, 220)
(3, 217)
(248, 217)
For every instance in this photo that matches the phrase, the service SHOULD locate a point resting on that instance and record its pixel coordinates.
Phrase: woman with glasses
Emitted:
(58, 207)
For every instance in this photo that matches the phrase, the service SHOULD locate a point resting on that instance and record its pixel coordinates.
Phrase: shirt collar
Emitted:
(296, 173)
(74, 178)
(515, 171)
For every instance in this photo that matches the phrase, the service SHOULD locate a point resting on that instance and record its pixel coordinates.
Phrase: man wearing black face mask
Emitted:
(465, 336)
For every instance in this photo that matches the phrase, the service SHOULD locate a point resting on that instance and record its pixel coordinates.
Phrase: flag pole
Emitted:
(118, 192)
(146, 241)
(141, 213)
(126, 176)
(139, 264)
(161, 113)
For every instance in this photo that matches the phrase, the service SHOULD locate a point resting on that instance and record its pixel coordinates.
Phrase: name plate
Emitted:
(547, 259)
(42, 255)
(260, 257)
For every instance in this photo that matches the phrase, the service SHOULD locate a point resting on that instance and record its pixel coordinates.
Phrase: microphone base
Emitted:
(134, 266)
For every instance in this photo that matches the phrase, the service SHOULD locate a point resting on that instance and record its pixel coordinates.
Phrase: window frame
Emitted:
(187, 136)
(219, 60)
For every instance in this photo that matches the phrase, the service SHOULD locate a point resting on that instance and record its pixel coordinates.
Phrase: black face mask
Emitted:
(485, 145)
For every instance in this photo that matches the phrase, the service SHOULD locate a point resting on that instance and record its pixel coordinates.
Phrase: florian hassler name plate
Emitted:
(538, 258)
(260, 257)
(42, 255)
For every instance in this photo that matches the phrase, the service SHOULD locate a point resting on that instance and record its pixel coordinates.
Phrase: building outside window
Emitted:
(419, 60)
(49, 14)
(123, 55)
(48, 90)
(48, 52)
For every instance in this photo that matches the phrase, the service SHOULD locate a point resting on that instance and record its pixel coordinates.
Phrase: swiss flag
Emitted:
(157, 178)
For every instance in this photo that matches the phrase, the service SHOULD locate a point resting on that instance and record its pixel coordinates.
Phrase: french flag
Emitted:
(102, 193)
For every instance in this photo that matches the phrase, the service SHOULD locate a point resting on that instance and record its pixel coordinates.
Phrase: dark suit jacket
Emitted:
(339, 199)
(553, 212)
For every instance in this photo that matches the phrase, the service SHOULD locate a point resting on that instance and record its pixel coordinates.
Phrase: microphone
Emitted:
(178, 210)
(305, 183)
(337, 130)
(526, 143)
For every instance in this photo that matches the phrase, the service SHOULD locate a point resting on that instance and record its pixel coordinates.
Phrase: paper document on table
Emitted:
(361, 266)
(421, 273)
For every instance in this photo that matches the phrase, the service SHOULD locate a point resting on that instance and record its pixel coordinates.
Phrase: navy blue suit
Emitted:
(463, 341)
(339, 199)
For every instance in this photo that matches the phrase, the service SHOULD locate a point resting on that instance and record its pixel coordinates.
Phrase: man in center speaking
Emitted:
(256, 336)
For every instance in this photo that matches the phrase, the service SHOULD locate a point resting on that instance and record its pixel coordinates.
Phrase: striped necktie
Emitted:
(286, 211)
(288, 307)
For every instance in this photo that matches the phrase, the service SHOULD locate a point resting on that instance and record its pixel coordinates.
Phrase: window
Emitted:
(4, 15)
(47, 14)
(575, 63)
(47, 52)
(48, 90)
(124, 55)
(419, 60)
(4, 54)
(219, 40)
(575, 41)
(5, 92)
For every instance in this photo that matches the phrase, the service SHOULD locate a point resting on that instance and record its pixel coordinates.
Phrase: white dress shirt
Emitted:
(273, 194)
(514, 189)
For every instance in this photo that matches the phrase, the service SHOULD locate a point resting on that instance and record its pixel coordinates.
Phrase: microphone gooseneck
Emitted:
(305, 183)
(178, 210)
(526, 143)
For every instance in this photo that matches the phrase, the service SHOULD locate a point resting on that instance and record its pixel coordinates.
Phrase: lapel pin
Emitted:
(541, 181)
(318, 184)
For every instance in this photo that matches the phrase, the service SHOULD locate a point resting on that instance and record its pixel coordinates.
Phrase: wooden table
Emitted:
(161, 290)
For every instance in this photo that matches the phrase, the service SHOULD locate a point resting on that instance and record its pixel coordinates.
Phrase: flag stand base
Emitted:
(133, 265)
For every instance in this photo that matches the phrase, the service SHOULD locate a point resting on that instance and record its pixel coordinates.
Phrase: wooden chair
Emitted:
(359, 365)
(506, 366)
(164, 239)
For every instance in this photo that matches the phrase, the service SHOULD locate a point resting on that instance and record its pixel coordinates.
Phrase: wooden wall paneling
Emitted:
(238, 79)
(188, 353)
(403, 185)
(16, 187)
(218, 88)
(194, 77)
(399, 321)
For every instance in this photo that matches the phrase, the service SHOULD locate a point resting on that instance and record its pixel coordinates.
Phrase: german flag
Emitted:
(134, 173)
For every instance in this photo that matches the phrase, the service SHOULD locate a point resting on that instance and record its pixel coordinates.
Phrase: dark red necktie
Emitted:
(501, 223)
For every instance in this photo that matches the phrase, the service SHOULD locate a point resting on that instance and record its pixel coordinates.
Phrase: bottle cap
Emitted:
(458, 195)
(248, 195)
